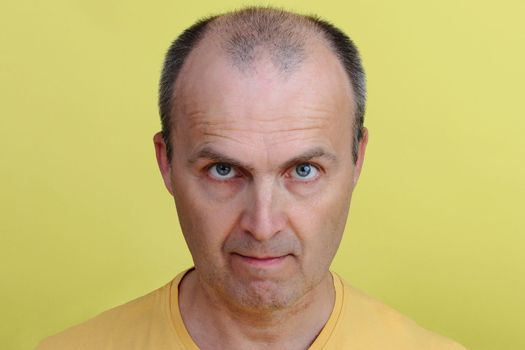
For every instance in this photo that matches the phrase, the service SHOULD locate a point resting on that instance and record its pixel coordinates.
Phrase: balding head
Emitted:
(251, 35)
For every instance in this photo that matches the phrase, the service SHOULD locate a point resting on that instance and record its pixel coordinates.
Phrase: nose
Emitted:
(263, 216)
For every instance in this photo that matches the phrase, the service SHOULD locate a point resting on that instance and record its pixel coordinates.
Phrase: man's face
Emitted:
(262, 173)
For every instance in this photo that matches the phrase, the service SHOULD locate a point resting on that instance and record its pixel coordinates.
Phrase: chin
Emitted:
(265, 296)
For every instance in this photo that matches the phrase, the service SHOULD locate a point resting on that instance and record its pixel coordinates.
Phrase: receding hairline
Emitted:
(298, 31)
(282, 35)
(235, 35)
(277, 32)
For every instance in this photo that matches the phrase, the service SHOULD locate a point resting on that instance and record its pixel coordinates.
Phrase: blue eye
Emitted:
(305, 171)
(221, 171)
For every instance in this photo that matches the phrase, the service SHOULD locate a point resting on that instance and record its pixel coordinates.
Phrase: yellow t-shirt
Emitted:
(357, 322)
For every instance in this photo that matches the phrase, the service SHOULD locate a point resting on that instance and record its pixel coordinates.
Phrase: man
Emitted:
(261, 147)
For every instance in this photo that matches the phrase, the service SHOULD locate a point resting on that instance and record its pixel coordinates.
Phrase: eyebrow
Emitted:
(208, 152)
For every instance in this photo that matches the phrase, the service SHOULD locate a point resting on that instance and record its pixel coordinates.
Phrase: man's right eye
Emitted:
(222, 171)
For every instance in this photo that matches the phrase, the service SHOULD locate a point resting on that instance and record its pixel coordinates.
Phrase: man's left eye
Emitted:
(305, 171)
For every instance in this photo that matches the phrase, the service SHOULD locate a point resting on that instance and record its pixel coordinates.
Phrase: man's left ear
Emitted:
(360, 155)
(162, 160)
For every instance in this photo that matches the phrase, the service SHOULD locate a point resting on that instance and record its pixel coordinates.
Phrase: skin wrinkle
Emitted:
(186, 98)
(318, 155)
(255, 142)
(261, 33)
(256, 128)
(266, 120)
(207, 152)
(195, 116)
(195, 120)
(269, 130)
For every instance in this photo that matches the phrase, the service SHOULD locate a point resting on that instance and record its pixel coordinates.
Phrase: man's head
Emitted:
(261, 126)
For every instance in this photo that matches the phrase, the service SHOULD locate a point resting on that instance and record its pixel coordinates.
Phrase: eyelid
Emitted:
(240, 172)
(317, 168)
(237, 172)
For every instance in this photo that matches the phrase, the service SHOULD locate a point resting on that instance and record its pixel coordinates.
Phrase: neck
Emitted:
(215, 323)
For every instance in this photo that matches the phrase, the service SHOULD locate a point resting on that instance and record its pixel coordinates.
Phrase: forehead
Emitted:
(213, 95)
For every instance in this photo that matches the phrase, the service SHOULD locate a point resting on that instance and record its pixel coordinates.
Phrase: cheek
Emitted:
(320, 223)
(205, 222)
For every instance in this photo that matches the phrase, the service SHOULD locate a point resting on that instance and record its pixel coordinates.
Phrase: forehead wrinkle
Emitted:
(221, 136)
(210, 124)
(209, 152)
(308, 155)
(192, 103)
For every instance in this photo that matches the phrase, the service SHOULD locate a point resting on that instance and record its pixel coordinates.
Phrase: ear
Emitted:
(361, 155)
(162, 160)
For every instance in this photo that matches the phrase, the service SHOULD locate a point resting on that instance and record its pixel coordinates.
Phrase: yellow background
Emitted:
(436, 227)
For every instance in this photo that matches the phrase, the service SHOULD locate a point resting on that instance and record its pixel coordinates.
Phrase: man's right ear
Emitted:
(162, 160)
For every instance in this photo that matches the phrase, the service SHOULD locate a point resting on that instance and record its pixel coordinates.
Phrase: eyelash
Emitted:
(241, 173)
(208, 168)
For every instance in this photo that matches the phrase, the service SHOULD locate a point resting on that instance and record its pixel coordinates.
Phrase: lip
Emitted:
(264, 261)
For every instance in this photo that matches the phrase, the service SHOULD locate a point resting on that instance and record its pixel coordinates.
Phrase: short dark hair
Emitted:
(265, 20)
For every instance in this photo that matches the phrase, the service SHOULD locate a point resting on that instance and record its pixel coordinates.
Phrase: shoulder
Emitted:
(371, 324)
(115, 327)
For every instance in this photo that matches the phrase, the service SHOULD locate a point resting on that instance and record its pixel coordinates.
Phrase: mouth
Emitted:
(261, 261)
